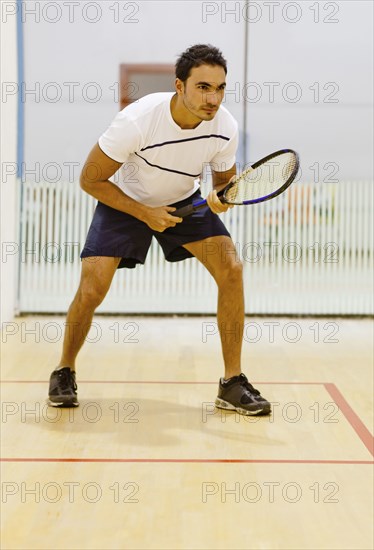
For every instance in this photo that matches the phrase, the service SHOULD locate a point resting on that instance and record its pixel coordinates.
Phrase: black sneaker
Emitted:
(237, 394)
(63, 388)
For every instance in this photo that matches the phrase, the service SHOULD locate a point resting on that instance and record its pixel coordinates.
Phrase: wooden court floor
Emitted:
(147, 462)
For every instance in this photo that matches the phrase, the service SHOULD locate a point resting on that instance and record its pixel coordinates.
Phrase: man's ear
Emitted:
(179, 86)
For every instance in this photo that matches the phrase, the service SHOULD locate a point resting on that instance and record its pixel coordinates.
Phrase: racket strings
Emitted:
(264, 180)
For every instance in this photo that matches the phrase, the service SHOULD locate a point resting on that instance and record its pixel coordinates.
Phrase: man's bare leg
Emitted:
(219, 256)
(96, 277)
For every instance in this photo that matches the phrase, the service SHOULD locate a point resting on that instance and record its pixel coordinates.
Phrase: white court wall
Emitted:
(81, 60)
(73, 52)
(8, 156)
(312, 66)
(317, 52)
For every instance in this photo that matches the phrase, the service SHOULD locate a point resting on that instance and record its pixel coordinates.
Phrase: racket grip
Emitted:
(189, 209)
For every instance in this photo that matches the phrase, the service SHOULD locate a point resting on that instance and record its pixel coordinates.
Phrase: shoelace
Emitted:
(67, 379)
(248, 386)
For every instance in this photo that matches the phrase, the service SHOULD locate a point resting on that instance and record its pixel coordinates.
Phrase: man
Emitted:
(159, 145)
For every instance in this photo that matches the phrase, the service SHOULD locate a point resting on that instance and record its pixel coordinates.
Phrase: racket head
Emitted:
(264, 180)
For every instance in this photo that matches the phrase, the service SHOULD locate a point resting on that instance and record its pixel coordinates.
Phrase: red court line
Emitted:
(158, 382)
(356, 423)
(351, 417)
(188, 460)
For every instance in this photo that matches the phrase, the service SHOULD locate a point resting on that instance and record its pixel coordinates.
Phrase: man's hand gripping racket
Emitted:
(263, 181)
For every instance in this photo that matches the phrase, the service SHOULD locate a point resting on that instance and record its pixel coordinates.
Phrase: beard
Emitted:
(200, 111)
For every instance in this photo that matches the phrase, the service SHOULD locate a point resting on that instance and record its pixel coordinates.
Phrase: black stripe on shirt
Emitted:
(184, 140)
(168, 169)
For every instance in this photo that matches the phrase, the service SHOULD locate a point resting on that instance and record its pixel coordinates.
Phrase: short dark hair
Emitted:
(200, 54)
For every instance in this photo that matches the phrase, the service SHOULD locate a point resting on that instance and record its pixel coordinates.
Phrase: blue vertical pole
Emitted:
(20, 106)
(245, 77)
(20, 136)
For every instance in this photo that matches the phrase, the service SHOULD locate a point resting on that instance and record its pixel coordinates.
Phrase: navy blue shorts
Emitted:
(118, 235)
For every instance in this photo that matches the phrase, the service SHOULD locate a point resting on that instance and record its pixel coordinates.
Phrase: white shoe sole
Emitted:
(61, 404)
(221, 404)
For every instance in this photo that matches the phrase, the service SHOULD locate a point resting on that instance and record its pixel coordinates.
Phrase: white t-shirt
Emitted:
(161, 162)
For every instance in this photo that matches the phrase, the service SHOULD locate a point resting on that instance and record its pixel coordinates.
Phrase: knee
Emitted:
(90, 297)
(231, 273)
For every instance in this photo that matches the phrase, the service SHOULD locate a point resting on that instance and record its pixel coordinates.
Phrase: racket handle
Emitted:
(189, 209)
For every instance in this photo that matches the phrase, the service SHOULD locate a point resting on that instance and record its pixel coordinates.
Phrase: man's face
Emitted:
(203, 91)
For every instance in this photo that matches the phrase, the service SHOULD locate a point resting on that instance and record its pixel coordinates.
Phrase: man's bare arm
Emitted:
(94, 180)
(220, 180)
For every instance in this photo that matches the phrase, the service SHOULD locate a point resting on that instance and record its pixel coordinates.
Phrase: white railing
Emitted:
(310, 251)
